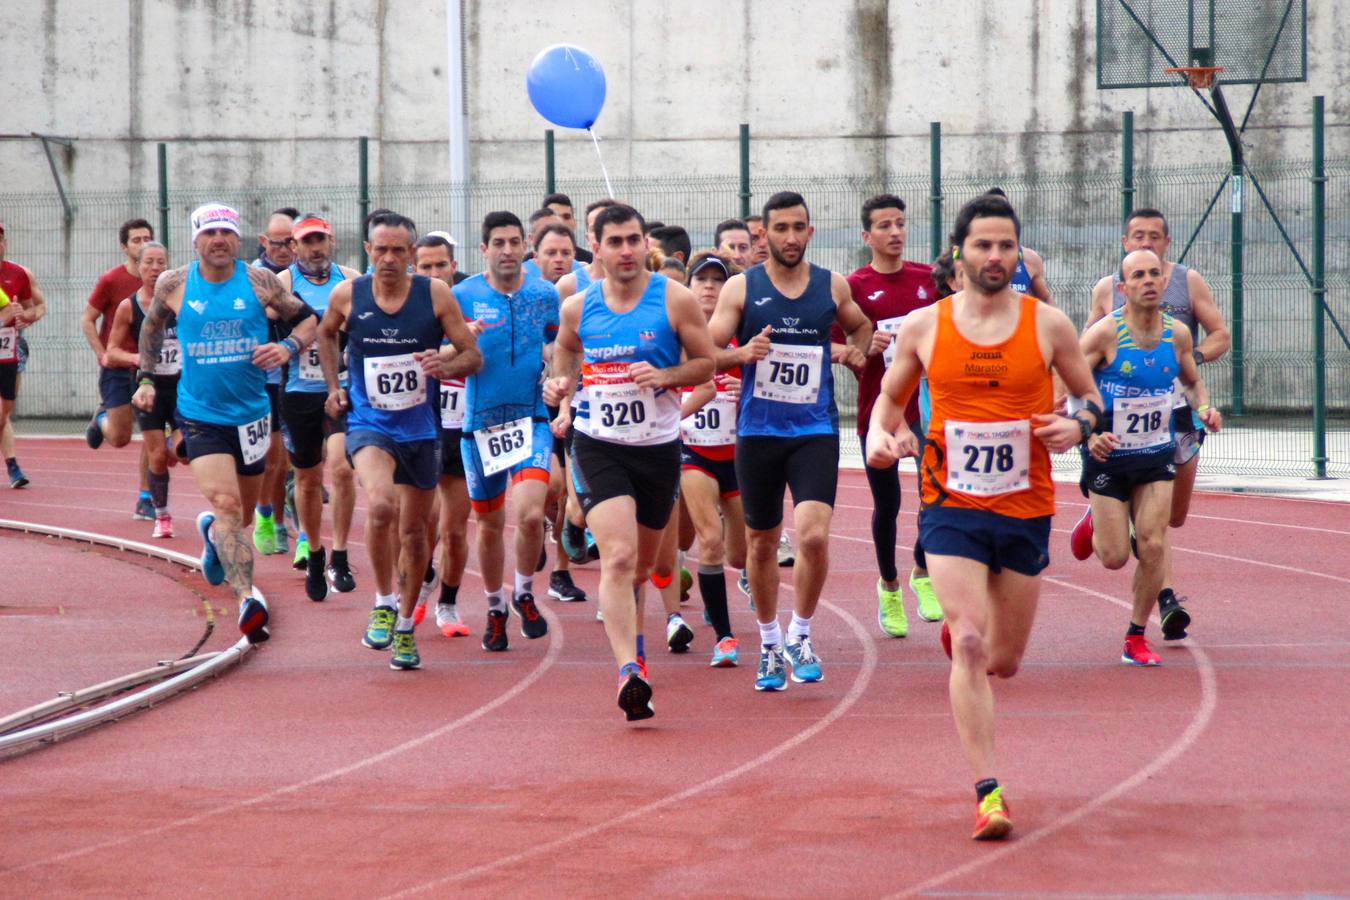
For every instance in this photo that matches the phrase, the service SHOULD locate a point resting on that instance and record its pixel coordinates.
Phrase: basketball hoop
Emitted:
(1200, 77)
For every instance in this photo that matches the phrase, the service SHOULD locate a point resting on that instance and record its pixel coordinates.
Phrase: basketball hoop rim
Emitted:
(1199, 77)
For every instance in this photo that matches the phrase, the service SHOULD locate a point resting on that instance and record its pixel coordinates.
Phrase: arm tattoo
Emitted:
(152, 330)
(270, 291)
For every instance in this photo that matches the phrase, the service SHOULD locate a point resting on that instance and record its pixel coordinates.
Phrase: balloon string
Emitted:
(596, 138)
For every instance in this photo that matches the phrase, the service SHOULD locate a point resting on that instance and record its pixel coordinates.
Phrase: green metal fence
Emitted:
(1071, 218)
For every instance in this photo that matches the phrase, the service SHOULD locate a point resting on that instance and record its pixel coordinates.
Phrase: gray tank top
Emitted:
(1176, 299)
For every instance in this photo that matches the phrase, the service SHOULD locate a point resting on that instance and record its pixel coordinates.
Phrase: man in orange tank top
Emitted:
(988, 353)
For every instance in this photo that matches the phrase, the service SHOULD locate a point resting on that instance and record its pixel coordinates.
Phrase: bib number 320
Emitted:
(985, 459)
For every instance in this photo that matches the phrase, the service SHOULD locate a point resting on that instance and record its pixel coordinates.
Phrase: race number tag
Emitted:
(9, 345)
(889, 326)
(985, 459)
(170, 358)
(253, 439)
(452, 404)
(310, 370)
(621, 412)
(394, 382)
(1143, 422)
(502, 446)
(789, 374)
(712, 426)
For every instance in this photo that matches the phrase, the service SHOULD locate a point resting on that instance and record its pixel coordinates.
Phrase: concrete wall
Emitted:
(258, 93)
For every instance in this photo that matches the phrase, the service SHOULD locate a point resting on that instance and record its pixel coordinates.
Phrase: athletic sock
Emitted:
(338, 557)
(300, 536)
(265, 510)
(159, 489)
(712, 586)
(404, 624)
(449, 594)
(161, 511)
(799, 628)
(387, 600)
(11, 461)
(770, 635)
(1166, 596)
(430, 575)
(641, 647)
(985, 788)
(1135, 630)
(524, 584)
(629, 669)
(495, 601)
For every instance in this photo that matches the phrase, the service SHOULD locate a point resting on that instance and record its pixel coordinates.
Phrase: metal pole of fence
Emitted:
(550, 170)
(935, 189)
(364, 200)
(164, 195)
(1319, 287)
(745, 169)
(1126, 165)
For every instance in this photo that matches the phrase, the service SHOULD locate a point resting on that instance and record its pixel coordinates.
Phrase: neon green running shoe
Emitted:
(264, 534)
(405, 652)
(301, 561)
(922, 586)
(380, 630)
(891, 610)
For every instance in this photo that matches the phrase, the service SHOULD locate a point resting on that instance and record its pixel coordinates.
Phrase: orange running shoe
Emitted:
(993, 819)
(1137, 652)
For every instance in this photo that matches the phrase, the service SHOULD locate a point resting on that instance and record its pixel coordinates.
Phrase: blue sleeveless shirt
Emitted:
(219, 326)
(1137, 396)
(307, 362)
(389, 393)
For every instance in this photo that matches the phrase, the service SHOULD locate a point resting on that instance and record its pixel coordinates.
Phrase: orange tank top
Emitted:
(981, 453)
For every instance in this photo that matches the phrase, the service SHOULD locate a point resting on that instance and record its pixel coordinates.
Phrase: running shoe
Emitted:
(424, 596)
(786, 556)
(561, 587)
(992, 817)
(573, 542)
(1080, 539)
(405, 651)
(163, 527)
(678, 634)
(1137, 652)
(805, 663)
(772, 674)
(494, 635)
(93, 434)
(686, 584)
(264, 534)
(283, 538)
(253, 617)
(301, 561)
(448, 621)
(891, 610)
(211, 567)
(922, 586)
(144, 511)
(16, 477)
(743, 584)
(946, 638)
(316, 585)
(380, 629)
(724, 654)
(340, 574)
(532, 622)
(1174, 617)
(635, 697)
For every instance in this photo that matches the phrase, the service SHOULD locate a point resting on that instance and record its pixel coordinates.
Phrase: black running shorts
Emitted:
(765, 466)
(603, 470)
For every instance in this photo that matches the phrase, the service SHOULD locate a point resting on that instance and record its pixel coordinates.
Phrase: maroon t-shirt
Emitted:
(113, 286)
(884, 296)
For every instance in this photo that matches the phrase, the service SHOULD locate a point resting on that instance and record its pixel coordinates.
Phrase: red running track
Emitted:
(315, 770)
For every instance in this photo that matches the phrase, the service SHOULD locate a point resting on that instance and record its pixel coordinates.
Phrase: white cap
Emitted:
(443, 235)
(214, 215)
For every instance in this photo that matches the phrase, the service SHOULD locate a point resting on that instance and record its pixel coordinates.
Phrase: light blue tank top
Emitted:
(316, 295)
(219, 326)
(1136, 374)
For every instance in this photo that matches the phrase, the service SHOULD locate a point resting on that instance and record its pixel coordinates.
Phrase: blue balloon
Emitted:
(567, 86)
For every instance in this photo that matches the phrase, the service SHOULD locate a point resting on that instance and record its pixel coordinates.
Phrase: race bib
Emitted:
(9, 344)
(1143, 422)
(712, 426)
(789, 374)
(889, 326)
(253, 439)
(452, 404)
(621, 412)
(985, 459)
(170, 358)
(310, 370)
(394, 382)
(502, 446)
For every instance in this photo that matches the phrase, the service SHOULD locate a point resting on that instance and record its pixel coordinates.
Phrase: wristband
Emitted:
(1198, 357)
(1203, 409)
(291, 344)
(1083, 427)
(145, 380)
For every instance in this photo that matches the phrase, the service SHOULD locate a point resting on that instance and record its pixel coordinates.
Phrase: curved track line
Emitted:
(1209, 701)
(855, 691)
(554, 651)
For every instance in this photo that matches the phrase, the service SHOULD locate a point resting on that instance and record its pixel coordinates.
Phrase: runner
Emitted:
(1189, 300)
(732, 240)
(276, 254)
(562, 205)
(1138, 354)
(506, 443)
(112, 420)
(787, 428)
(987, 499)
(151, 262)
(708, 486)
(887, 290)
(395, 324)
(222, 307)
(311, 436)
(626, 334)
(1029, 276)
(759, 239)
(21, 305)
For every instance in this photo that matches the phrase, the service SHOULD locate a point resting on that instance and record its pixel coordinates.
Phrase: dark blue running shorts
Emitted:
(998, 542)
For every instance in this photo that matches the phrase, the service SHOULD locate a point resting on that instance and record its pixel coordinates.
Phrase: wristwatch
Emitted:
(1198, 357)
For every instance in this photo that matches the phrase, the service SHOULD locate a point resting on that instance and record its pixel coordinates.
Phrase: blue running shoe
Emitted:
(211, 567)
(724, 654)
(380, 630)
(772, 675)
(16, 477)
(253, 618)
(805, 664)
(405, 655)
